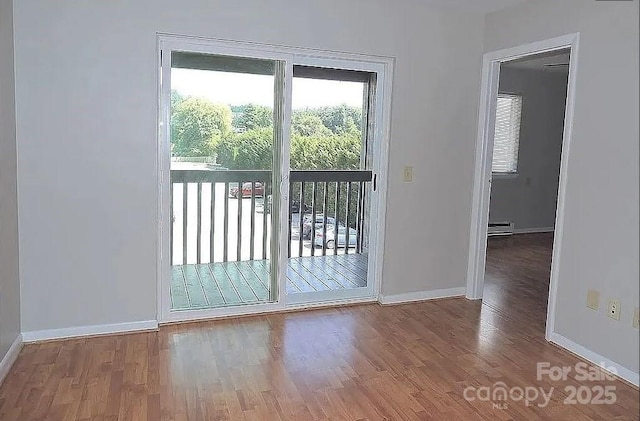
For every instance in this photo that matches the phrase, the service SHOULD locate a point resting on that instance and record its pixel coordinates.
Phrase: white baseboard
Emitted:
(533, 230)
(595, 358)
(74, 332)
(421, 295)
(10, 357)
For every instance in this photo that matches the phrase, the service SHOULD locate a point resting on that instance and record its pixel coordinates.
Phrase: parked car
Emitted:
(329, 240)
(320, 219)
(246, 190)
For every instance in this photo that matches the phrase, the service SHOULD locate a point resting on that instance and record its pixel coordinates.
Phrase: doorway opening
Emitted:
(524, 134)
(527, 147)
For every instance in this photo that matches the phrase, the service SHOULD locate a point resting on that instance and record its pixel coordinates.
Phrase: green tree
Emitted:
(176, 98)
(335, 152)
(197, 124)
(252, 116)
(250, 150)
(340, 152)
(254, 150)
(308, 123)
(341, 119)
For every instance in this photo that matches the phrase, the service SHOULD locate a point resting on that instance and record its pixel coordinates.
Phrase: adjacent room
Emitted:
(527, 147)
(331, 210)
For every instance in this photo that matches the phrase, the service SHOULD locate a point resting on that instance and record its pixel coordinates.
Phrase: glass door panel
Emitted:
(330, 181)
(223, 143)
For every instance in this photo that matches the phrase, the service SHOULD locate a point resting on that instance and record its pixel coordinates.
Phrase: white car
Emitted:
(330, 239)
(307, 228)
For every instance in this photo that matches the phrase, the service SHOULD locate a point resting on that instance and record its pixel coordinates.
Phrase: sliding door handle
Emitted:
(284, 187)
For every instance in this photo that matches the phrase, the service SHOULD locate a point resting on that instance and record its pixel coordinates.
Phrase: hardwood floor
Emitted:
(411, 362)
(517, 278)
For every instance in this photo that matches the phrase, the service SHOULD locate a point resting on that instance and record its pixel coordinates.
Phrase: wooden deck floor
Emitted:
(213, 285)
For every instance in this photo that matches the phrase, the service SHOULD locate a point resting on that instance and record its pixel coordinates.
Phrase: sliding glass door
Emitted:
(268, 179)
(331, 182)
(224, 126)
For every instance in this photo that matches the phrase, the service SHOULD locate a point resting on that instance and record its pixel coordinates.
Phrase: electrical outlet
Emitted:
(407, 176)
(614, 309)
(636, 318)
(593, 299)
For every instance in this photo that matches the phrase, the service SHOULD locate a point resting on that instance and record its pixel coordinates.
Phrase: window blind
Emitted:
(507, 134)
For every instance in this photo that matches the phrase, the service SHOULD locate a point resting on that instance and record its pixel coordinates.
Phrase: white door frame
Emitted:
(483, 157)
(378, 137)
(167, 44)
(290, 55)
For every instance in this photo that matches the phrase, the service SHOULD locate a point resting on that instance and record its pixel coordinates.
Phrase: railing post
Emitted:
(301, 219)
(289, 216)
(348, 219)
(185, 193)
(253, 219)
(337, 222)
(264, 219)
(225, 242)
(325, 208)
(240, 199)
(313, 217)
(199, 224)
(172, 217)
(359, 217)
(213, 222)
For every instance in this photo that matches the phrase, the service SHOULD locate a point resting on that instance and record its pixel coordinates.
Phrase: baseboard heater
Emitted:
(500, 228)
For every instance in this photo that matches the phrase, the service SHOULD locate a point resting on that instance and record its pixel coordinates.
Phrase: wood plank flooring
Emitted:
(212, 285)
(406, 362)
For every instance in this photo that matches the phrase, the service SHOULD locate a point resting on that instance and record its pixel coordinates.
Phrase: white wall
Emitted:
(86, 100)
(600, 241)
(9, 281)
(529, 200)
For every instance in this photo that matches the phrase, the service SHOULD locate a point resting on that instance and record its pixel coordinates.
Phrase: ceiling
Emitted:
(484, 6)
(542, 62)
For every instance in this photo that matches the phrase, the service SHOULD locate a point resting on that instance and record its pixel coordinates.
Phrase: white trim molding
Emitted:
(533, 230)
(504, 175)
(10, 357)
(410, 297)
(95, 330)
(258, 309)
(484, 152)
(619, 371)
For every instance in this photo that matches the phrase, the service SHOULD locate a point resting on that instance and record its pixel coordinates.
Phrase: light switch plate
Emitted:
(593, 299)
(407, 176)
(636, 318)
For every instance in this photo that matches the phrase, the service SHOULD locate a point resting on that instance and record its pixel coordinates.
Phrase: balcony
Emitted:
(221, 235)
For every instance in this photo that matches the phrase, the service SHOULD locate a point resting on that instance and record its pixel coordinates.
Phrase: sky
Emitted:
(238, 89)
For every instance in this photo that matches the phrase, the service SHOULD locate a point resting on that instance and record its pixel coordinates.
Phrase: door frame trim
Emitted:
(289, 55)
(374, 271)
(484, 152)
